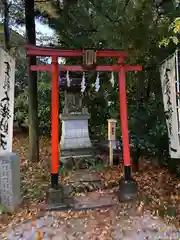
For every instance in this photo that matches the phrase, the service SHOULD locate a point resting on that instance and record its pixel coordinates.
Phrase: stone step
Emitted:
(76, 153)
(95, 200)
(84, 176)
(89, 201)
(87, 186)
(85, 181)
(81, 181)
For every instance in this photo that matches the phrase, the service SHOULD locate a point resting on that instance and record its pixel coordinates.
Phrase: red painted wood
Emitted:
(123, 116)
(113, 54)
(129, 68)
(55, 117)
(48, 67)
(49, 52)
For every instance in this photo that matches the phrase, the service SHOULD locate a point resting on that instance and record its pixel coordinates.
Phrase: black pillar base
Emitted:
(127, 186)
(54, 180)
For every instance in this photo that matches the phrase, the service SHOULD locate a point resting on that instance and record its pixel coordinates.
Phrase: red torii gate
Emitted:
(54, 67)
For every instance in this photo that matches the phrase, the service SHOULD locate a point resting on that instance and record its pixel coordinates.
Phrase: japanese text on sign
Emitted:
(5, 107)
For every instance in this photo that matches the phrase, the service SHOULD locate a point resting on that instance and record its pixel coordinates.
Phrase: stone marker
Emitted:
(10, 196)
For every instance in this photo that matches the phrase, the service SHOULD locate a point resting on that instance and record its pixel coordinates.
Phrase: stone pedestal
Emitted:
(75, 132)
(9, 180)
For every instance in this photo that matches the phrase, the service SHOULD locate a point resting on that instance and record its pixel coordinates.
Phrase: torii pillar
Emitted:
(127, 186)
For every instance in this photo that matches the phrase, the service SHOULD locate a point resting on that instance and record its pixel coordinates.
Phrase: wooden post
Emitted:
(110, 153)
(111, 138)
(124, 123)
(55, 123)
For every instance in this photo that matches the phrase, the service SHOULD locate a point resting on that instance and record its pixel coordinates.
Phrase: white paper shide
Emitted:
(170, 92)
(7, 76)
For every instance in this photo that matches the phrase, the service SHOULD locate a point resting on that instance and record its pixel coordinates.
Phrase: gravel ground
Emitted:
(112, 223)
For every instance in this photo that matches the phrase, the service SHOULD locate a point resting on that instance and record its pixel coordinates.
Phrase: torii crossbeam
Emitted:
(90, 57)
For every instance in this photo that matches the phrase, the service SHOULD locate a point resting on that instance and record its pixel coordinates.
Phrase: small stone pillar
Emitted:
(75, 132)
(10, 196)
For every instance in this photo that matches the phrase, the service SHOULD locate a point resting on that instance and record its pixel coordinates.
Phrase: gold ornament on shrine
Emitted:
(89, 59)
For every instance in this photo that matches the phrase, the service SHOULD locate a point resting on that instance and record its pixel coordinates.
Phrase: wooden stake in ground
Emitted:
(110, 153)
(111, 138)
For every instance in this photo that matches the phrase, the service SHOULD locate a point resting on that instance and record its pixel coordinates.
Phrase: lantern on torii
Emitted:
(89, 58)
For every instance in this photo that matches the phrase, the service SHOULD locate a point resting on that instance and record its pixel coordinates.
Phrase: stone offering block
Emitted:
(10, 196)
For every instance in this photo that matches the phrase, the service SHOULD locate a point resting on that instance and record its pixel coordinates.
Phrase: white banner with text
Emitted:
(7, 78)
(170, 91)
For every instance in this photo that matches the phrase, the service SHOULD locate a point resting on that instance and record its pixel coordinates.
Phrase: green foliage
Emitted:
(21, 109)
(20, 76)
(44, 108)
(148, 129)
(174, 30)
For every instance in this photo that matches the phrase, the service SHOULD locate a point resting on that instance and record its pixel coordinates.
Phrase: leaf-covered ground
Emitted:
(159, 192)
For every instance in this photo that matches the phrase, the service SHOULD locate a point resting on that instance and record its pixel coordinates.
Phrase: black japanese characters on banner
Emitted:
(168, 113)
(5, 107)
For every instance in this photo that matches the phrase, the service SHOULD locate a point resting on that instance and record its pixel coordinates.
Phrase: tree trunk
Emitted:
(136, 156)
(6, 25)
(32, 84)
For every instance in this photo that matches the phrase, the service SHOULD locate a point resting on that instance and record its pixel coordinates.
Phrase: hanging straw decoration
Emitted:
(97, 83)
(83, 83)
(68, 79)
(112, 79)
